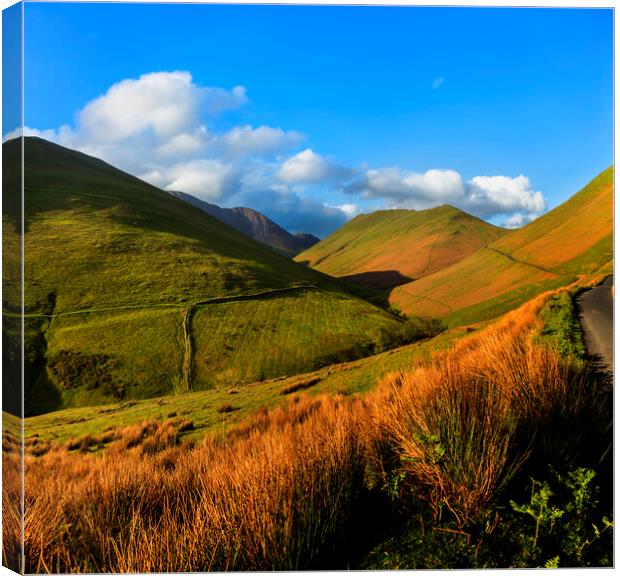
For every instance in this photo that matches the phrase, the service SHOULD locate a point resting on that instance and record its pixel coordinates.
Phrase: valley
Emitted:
(133, 294)
(162, 341)
(551, 251)
(297, 287)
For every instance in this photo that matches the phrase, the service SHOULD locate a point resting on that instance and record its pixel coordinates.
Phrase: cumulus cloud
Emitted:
(218, 100)
(184, 143)
(261, 140)
(489, 195)
(295, 211)
(308, 166)
(139, 122)
(411, 189)
(349, 210)
(154, 126)
(483, 196)
(517, 220)
(207, 178)
(27, 131)
(168, 103)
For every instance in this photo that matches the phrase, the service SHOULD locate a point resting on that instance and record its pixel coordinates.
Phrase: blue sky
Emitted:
(503, 112)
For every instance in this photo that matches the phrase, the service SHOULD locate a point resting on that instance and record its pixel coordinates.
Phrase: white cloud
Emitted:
(349, 210)
(154, 126)
(158, 126)
(490, 195)
(184, 143)
(261, 140)
(412, 189)
(155, 177)
(517, 220)
(484, 196)
(168, 103)
(208, 179)
(308, 167)
(27, 131)
(218, 100)
(438, 82)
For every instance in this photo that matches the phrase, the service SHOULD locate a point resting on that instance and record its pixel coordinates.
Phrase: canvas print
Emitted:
(306, 287)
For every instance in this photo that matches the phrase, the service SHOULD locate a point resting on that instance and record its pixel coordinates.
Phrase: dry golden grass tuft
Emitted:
(462, 425)
(11, 499)
(271, 497)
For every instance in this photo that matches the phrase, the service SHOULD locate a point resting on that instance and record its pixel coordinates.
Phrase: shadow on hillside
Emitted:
(379, 279)
(376, 286)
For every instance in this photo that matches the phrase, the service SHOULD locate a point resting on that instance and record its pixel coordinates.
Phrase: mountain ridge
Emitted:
(390, 247)
(253, 224)
(574, 238)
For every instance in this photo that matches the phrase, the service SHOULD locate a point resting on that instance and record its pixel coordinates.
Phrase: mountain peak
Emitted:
(387, 247)
(252, 223)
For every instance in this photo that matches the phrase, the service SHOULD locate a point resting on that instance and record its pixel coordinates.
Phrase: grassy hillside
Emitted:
(217, 409)
(392, 247)
(574, 238)
(11, 279)
(117, 273)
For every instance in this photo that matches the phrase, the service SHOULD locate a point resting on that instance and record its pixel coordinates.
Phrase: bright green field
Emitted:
(155, 333)
(230, 343)
(241, 342)
(202, 407)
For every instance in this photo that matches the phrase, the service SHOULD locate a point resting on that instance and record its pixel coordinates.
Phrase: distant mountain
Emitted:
(391, 247)
(574, 238)
(306, 240)
(255, 225)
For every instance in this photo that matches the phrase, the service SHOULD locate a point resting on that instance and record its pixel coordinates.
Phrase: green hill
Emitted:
(574, 238)
(391, 247)
(132, 293)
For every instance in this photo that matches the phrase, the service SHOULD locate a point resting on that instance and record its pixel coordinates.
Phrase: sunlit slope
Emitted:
(390, 247)
(574, 238)
(201, 407)
(96, 236)
(119, 276)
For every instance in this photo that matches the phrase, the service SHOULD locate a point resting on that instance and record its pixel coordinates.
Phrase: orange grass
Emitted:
(463, 424)
(272, 497)
(279, 491)
(11, 499)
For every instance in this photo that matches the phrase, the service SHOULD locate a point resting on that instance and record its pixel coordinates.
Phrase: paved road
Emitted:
(596, 312)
